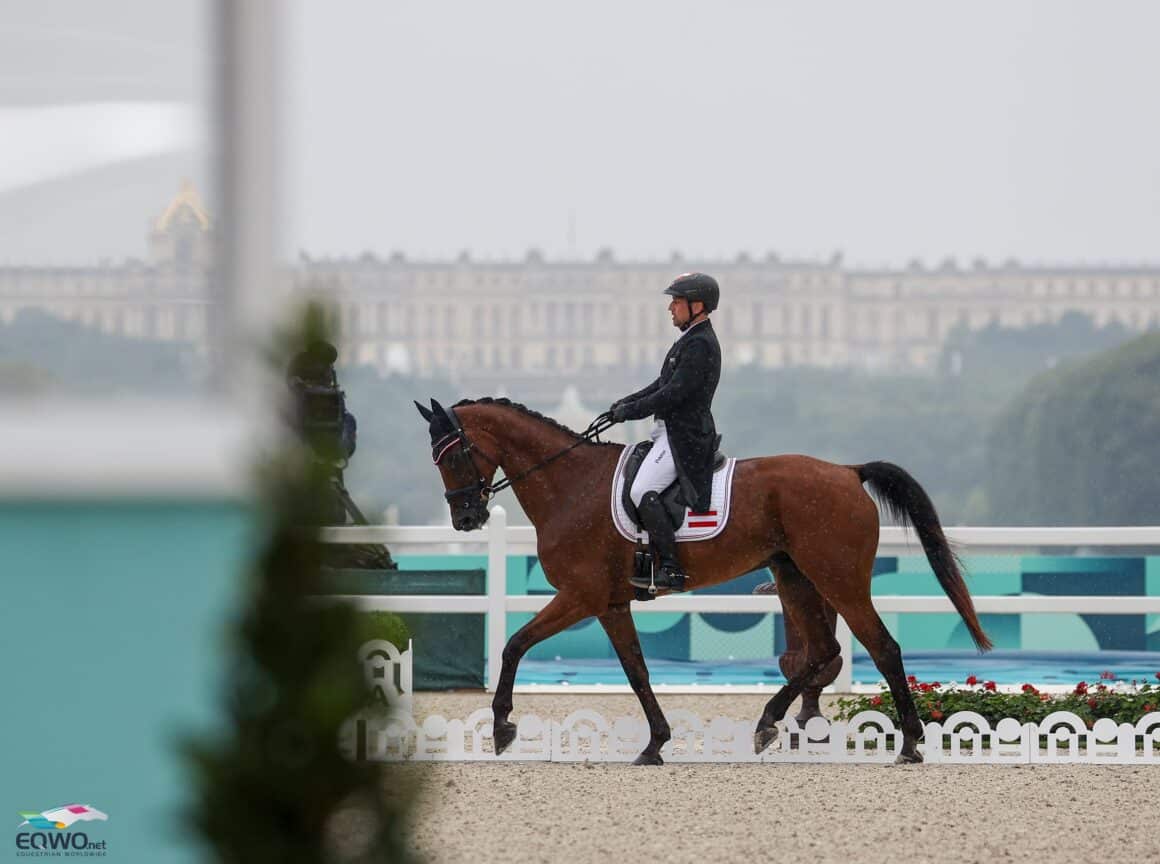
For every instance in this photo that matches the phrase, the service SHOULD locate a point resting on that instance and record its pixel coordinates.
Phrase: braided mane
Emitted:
(524, 409)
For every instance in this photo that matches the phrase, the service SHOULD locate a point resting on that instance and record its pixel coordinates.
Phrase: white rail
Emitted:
(500, 541)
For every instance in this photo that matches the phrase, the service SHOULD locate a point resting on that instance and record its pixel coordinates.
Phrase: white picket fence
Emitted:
(386, 731)
(500, 540)
(870, 736)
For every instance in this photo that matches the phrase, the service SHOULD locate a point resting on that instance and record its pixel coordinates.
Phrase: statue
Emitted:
(321, 419)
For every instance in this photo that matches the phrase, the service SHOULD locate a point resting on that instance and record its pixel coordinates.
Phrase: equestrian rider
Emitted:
(684, 434)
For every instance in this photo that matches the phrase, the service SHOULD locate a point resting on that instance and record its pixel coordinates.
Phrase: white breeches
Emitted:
(658, 469)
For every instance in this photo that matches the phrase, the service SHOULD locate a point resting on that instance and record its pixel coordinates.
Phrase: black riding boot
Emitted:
(656, 522)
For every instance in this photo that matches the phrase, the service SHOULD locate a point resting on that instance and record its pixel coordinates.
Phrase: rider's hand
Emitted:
(618, 412)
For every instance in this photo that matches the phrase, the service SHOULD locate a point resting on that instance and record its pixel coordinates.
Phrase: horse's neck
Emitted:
(527, 443)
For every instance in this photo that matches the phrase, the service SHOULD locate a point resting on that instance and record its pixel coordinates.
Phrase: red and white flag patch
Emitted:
(708, 519)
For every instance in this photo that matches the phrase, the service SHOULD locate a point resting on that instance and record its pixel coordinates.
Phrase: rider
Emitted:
(684, 435)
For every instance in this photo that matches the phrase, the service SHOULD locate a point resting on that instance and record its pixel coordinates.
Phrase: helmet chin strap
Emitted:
(692, 318)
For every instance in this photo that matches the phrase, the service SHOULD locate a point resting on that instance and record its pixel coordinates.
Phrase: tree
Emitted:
(272, 785)
(1081, 444)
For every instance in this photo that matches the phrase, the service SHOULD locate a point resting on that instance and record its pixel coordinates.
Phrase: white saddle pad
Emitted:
(697, 526)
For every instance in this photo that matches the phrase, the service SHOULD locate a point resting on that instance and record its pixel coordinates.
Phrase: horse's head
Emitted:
(466, 470)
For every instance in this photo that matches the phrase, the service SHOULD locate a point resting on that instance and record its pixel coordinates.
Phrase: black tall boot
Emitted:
(662, 537)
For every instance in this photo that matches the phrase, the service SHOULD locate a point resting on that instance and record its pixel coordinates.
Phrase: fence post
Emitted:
(496, 594)
(845, 679)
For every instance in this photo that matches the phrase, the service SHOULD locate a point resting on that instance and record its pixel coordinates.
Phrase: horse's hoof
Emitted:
(647, 758)
(911, 758)
(763, 737)
(505, 734)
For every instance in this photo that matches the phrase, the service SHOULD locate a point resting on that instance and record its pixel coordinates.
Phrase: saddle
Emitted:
(672, 496)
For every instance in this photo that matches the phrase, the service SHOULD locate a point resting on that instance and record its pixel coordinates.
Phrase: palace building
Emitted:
(535, 320)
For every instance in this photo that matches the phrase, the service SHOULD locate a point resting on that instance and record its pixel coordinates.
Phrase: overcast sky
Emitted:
(885, 130)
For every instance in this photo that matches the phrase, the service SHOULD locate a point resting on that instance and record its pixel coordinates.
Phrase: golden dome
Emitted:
(186, 198)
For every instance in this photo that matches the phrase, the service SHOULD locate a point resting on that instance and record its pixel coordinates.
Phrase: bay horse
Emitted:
(811, 520)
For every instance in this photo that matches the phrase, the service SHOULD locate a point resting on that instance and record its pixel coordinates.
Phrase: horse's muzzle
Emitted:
(470, 521)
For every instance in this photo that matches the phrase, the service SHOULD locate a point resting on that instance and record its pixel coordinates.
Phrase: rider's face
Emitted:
(679, 310)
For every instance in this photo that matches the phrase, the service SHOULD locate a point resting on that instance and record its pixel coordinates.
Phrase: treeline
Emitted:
(43, 354)
(1052, 425)
(1081, 444)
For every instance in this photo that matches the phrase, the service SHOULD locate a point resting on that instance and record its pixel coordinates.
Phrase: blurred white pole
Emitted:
(496, 594)
(845, 680)
(246, 157)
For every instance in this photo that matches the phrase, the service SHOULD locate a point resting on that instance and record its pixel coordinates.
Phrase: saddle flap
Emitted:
(632, 463)
(689, 526)
(672, 497)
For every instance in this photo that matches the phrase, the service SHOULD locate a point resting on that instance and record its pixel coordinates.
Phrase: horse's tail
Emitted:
(908, 504)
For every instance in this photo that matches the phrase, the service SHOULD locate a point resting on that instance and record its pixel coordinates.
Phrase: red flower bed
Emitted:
(1123, 703)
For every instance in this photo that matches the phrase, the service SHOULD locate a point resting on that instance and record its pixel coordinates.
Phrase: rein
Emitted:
(601, 424)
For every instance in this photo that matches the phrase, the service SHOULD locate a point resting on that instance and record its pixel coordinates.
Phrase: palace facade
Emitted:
(536, 321)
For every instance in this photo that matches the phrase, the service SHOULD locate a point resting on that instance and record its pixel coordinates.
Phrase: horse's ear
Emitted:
(445, 413)
(427, 415)
(440, 411)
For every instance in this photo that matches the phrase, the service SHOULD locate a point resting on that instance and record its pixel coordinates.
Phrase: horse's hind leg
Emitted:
(849, 592)
(791, 662)
(807, 613)
(618, 624)
(562, 611)
(887, 656)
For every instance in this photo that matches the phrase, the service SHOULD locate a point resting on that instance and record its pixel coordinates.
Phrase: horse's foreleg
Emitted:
(562, 611)
(807, 612)
(621, 629)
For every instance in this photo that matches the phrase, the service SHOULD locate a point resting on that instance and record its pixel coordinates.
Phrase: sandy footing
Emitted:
(854, 814)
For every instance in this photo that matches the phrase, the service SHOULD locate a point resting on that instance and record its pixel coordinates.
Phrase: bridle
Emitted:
(481, 489)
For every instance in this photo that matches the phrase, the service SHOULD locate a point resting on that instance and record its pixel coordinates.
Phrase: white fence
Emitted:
(501, 541)
(964, 738)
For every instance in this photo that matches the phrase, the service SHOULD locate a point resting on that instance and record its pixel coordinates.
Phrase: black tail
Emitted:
(908, 504)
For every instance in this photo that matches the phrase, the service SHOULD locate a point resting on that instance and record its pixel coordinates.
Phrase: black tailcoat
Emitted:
(683, 396)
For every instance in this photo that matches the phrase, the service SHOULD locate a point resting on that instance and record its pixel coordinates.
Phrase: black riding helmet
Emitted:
(696, 286)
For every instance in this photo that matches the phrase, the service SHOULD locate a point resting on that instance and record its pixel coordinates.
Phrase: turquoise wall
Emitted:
(677, 636)
(112, 632)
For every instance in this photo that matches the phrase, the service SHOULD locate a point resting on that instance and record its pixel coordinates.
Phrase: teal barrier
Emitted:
(709, 636)
(452, 655)
(112, 627)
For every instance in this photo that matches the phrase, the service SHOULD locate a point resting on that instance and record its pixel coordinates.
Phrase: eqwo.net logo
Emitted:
(56, 823)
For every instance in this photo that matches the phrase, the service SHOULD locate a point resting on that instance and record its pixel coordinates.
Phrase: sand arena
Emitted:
(720, 812)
